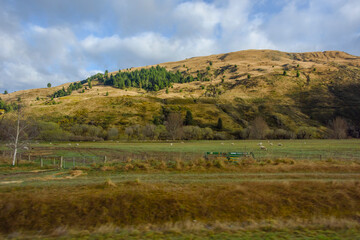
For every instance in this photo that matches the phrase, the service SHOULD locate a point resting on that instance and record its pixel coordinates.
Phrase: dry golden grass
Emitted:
(136, 203)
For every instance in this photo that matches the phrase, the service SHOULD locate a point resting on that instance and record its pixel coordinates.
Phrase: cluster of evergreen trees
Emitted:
(152, 79)
(7, 107)
(72, 87)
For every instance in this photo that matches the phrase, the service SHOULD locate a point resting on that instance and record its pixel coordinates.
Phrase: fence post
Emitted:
(29, 158)
(104, 159)
(41, 162)
(54, 161)
(61, 162)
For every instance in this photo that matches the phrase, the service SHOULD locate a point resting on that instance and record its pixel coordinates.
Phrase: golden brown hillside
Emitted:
(291, 91)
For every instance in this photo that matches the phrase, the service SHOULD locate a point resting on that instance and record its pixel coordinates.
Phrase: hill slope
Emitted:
(291, 91)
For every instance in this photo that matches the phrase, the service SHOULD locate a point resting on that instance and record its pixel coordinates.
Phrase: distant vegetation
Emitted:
(152, 79)
(7, 107)
(72, 87)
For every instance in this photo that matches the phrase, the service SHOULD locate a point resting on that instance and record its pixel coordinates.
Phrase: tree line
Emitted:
(151, 79)
(72, 87)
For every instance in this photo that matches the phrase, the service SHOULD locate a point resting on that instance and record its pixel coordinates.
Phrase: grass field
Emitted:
(296, 149)
(267, 198)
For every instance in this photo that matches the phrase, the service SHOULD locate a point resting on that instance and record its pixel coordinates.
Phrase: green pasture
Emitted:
(297, 149)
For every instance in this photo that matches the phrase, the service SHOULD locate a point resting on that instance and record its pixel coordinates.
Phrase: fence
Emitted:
(70, 162)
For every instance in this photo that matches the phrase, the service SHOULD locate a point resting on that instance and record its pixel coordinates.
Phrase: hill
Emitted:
(297, 94)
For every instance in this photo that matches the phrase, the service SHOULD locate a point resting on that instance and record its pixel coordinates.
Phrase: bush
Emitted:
(50, 131)
(280, 134)
(192, 133)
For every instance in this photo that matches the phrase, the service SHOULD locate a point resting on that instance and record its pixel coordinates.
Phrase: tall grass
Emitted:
(135, 202)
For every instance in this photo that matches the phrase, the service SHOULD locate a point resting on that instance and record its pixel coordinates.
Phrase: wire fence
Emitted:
(84, 160)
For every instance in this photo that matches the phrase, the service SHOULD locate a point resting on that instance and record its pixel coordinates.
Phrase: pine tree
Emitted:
(219, 124)
(188, 118)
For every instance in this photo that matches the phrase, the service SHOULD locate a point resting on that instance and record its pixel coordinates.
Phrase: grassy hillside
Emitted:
(291, 91)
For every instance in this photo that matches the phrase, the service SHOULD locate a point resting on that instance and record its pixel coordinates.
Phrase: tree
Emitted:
(339, 127)
(5, 92)
(129, 131)
(49, 85)
(219, 124)
(188, 118)
(284, 73)
(297, 74)
(113, 133)
(258, 128)
(174, 124)
(149, 131)
(17, 130)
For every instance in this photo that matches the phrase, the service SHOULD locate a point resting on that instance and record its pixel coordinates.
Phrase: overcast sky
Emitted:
(60, 41)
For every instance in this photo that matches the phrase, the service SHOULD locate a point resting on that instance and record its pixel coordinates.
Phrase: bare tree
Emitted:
(149, 131)
(258, 128)
(129, 131)
(339, 127)
(17, 131)
(174, 125)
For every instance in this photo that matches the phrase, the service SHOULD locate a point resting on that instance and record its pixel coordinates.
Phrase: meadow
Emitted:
(295, 149)
(287, 192)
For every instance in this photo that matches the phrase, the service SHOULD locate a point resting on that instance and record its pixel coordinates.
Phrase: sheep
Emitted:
(271, 144)
(222, 143)
(77, 144)
(263, 148)
(232, 143)
(260, 143)
(280, 144)
(171, 144)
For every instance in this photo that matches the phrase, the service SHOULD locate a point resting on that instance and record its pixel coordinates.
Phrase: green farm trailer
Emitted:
(229, 155)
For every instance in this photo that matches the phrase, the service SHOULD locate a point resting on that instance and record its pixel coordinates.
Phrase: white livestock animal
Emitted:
(280, 144)
(271, 144)
(263, 148)
(260, 144)
(171, 144)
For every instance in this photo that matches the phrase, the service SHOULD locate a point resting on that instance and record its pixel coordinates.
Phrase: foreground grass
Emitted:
(178, 234)
(132, 203)
(215, 199)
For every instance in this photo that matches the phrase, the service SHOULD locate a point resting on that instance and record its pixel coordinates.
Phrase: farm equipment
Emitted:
(231, 156)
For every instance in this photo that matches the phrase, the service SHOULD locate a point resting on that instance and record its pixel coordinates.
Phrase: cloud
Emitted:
(61, 40)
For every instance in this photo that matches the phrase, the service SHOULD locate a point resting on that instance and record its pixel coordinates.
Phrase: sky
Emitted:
(59, 41)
